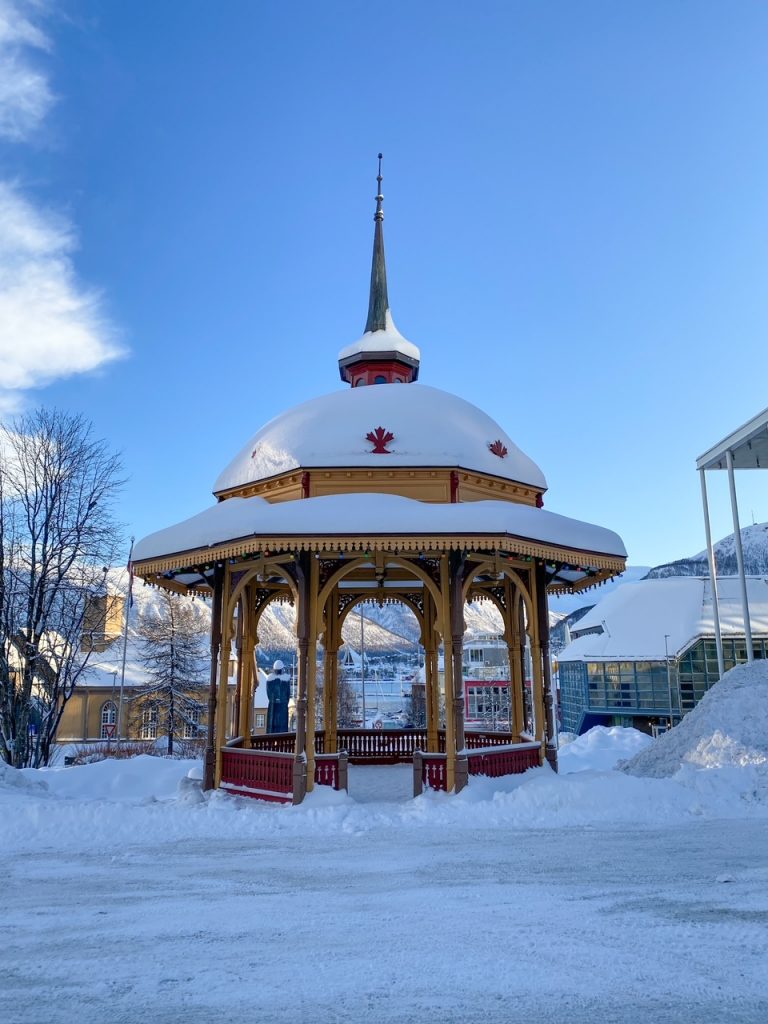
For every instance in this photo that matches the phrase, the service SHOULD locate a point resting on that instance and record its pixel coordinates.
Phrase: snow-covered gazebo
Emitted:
(388, 490)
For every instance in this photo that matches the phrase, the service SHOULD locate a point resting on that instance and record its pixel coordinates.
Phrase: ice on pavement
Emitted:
(558, 897)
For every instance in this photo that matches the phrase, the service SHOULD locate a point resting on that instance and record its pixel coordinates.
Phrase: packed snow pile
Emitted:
(600, 749)
(12, 778)
(727, 729)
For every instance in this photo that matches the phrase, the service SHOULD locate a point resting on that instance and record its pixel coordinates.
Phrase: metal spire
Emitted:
(378, 303)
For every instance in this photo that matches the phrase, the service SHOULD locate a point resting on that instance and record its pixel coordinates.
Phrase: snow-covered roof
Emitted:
(632, 620)
(368, 515)
(388, 340)
(748, 445)
(430, 428)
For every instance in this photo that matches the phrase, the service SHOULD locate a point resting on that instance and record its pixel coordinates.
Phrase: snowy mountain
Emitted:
(754, 541)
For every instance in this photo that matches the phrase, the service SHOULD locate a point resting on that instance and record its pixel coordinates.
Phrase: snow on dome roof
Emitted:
(429, 428)
(388, 340)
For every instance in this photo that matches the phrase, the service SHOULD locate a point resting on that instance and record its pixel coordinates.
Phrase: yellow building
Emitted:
(92, 714)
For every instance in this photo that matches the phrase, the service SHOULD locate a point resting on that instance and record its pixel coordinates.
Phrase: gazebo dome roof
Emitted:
(429, 428)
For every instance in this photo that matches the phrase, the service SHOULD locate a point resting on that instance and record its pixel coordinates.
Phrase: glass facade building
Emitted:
(641, 693)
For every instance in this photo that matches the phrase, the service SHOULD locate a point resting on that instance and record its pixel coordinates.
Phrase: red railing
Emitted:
(507, 760)
(430, 770)
(284, 742)
(331, 770)
(265, 775)
(382, 746)
(474, 738)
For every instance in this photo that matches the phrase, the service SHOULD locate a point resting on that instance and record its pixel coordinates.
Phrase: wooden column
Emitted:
(431, 676)
(238, 701)
(331, 673)
(306, 630)
(209, 770)
(452, 631)
(539, 733)
(461, 767)
(514, 640)
(445, 632)
(247, 663)
(222, 701)
(314, 574)
(550, 697)
(523, 634)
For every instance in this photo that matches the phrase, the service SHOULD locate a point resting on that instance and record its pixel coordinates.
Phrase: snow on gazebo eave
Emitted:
(242, 526)
(431, 429)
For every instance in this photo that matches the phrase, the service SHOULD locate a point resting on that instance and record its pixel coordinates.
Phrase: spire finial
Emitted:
(379, 215)
(378, 302)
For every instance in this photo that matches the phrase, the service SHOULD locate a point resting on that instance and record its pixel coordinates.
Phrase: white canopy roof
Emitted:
(370, 515)
(635, 617)
(430, 428)
(749, 445)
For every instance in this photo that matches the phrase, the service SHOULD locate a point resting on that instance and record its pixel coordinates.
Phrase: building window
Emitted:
(260, 721)
(108, 720)
(149, 724)
(359, 382)
(475, 654)
(192, 725)
(379, 379)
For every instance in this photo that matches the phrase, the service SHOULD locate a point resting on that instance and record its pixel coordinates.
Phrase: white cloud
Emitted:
(51, 325)
(25, 96)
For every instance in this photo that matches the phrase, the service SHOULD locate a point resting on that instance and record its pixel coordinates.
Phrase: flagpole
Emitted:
(128, 602)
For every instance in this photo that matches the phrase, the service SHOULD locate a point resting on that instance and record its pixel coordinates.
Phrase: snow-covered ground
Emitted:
(592, 895)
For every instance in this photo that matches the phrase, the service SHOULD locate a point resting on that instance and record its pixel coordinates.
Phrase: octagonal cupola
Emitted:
(382, 355)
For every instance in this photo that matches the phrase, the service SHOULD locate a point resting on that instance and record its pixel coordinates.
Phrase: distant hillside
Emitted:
(754, 541)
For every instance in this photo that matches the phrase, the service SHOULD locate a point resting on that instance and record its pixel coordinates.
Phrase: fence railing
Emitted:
(273, 775)
(507, 760)
(484, 738)
(331, 770)
(379, 746)
(430, 770)
(266, 775)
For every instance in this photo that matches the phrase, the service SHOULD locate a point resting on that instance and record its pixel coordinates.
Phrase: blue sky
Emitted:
(576, 230)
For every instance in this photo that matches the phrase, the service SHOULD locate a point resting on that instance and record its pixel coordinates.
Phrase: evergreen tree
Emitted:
(173, 634)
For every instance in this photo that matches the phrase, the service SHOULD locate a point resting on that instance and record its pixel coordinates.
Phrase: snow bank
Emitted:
(12, 778)
(722, 747)
(127, 779)
(727, 729)
(601, 749)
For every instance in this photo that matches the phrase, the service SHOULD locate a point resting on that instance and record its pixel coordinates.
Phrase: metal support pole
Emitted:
(712, 575)
(669, 679)
(739, 556)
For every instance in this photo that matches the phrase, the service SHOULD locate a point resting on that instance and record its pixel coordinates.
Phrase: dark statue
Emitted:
(278, 695)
